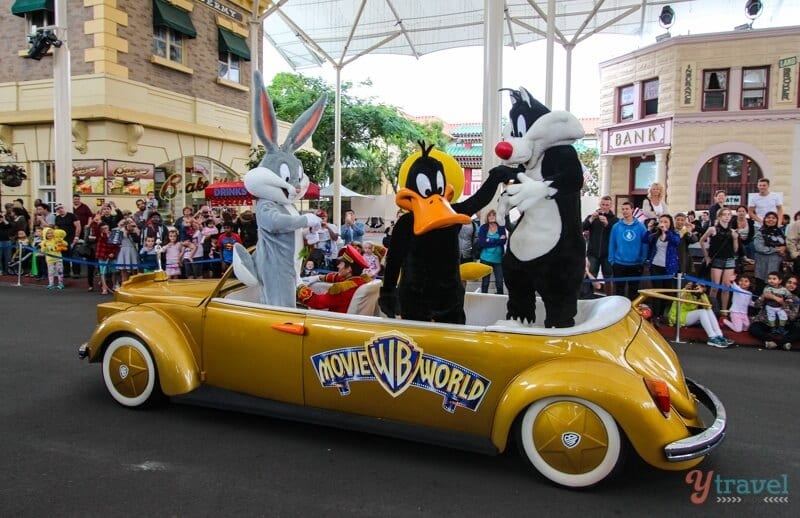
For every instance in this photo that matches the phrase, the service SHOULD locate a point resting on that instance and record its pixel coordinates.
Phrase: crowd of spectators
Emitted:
(733, 249)
(110, 245)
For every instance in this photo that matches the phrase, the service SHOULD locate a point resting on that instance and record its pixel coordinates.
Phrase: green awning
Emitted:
(22, 7)
(167, 15)
(233, 43)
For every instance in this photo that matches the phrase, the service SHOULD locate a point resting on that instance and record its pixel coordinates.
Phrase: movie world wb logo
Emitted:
(396, 362)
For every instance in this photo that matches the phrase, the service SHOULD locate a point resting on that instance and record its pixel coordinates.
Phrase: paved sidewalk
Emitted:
(69, 283)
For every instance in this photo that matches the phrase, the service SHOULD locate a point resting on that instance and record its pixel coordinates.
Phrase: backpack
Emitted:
(476, 245)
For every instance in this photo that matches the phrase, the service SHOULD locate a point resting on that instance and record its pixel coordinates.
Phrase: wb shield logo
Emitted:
(394, 360)
(570, 439)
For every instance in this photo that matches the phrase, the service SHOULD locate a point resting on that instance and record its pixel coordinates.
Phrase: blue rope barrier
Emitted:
(114, 264)
(644, 277)
(706, 282)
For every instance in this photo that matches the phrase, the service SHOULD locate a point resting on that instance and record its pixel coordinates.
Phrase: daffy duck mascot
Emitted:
(425, 239)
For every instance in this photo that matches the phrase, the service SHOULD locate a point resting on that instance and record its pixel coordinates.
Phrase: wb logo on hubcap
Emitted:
(123, 371)
(394, 361)
(570, 439)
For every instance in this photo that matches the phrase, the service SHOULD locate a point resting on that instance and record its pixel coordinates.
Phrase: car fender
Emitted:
(177, 368)
(619, 391)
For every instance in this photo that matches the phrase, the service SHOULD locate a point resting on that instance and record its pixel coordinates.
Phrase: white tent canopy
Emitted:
(344, 192)
(309, 33)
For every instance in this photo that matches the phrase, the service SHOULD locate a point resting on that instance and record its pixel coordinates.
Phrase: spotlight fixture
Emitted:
(667, 17)
(753, 9)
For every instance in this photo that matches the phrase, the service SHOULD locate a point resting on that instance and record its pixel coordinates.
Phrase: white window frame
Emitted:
(170, 39)
(46, 178)
(621, 106)
(47, 18)
(232, 64)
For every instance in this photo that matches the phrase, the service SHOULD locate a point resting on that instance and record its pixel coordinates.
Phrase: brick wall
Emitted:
(14, 39)
(201, 56)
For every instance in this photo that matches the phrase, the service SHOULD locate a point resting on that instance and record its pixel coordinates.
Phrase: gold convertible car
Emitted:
(571, 399)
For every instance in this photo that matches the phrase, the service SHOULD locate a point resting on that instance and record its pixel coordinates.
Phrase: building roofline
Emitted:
(773, 32)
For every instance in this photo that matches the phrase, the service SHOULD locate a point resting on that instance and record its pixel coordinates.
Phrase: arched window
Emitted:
(734, 173)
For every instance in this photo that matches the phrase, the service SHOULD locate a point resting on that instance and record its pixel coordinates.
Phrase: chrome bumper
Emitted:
(706, 441)
(83, 351)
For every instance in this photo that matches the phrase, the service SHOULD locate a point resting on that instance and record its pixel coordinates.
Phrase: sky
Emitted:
(448, 84)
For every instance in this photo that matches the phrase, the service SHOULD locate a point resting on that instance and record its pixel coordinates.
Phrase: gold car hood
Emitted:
(144, 288)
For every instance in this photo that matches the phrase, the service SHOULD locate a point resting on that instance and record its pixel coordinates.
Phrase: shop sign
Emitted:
(687, 79)
(787, 80)
(733, 200)
(88, 176)
(224, 9)
(172, 186)
(129, 178)
(640, 137)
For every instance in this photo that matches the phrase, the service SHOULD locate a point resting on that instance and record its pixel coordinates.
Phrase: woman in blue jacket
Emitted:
(492, 239)
(662, 254)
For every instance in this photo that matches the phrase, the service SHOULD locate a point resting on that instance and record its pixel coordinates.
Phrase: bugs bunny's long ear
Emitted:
(304, 126)
(265, 123)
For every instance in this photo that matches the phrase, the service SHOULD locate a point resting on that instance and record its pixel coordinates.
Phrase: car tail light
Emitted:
(660, 393)
(645, 311)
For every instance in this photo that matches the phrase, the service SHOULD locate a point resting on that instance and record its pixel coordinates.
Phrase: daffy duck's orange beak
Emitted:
(432, 212)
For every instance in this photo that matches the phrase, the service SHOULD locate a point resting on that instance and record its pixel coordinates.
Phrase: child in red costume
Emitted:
(345, 282)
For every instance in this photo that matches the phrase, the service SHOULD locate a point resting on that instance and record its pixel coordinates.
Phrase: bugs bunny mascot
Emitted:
(276, 183)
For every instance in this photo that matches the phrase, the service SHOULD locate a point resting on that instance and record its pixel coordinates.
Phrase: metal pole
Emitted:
(568, 88)
(62, 108)
(678, 312)
(492, 79)
(551, 33)
(255, 63)
(337, 151)
(19, 263)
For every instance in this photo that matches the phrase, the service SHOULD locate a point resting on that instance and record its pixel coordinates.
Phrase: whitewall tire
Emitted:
(129, 372)
(570, 441)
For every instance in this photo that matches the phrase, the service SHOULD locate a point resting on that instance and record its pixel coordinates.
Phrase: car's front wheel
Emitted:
(571, 441)
(130, 372)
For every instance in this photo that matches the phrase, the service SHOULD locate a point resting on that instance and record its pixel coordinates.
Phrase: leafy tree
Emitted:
(375, 139)
(591, 179)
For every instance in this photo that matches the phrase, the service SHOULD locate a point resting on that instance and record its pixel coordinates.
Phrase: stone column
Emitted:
(661, 167)
(605, 174)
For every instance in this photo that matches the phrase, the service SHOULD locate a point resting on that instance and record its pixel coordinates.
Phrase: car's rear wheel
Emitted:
(130, 372)
(570, 441)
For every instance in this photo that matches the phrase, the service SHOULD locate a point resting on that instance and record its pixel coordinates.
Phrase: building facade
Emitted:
(467, 148)
(702, 113)
(160, 98)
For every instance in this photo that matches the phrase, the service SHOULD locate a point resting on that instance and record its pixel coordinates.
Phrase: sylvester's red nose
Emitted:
(503, 150)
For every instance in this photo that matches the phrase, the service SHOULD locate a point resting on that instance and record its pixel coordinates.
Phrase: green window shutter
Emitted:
(233, 43)
(167, 15)
(22, 7)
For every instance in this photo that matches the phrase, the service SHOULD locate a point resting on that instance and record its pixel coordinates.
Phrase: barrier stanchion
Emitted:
(678, 312)
(19, 263)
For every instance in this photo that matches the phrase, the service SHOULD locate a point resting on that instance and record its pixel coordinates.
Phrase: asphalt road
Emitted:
(68, 449)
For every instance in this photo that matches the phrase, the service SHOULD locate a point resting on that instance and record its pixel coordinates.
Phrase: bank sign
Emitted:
(639, 137)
